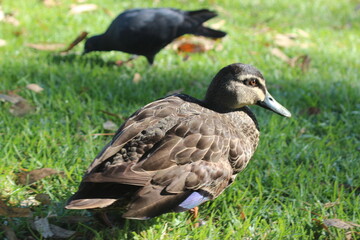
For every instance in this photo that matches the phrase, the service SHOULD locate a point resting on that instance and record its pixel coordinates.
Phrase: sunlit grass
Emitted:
(301, 163)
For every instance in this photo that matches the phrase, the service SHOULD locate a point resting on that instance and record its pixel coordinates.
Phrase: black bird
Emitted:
(146, 31)
(177, 152)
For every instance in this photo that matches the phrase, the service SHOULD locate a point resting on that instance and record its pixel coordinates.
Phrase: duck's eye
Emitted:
(251, 82)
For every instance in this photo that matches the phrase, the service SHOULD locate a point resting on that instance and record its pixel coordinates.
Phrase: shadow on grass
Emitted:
(92, 60)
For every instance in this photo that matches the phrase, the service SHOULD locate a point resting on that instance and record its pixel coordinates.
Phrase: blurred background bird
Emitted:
(146, 31)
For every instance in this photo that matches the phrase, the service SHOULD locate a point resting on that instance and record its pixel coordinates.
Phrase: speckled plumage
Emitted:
(168, 150)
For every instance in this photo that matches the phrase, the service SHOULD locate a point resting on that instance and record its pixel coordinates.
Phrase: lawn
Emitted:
(304, 174)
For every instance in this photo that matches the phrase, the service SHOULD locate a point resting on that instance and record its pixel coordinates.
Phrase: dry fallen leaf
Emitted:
(80, 8)
(77, 40)
(302, 33)
(20, 106)
(8, 211)
(8, 18)
(331, 204)
(284, 40)
(34, 87)
(46, 46)
(9, 232)
(137, 78)
(48, 230)
(25, 178)
(313, 111)
(2, 42)
(191, 47)
(302, 61)
(109, 125)
(291, 39)
(2, 14)
(280, 54)
(195, 44)
(108, 12)
(51, 3)
(340, 223)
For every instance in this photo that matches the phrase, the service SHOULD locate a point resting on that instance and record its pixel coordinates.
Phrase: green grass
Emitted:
(301, 163)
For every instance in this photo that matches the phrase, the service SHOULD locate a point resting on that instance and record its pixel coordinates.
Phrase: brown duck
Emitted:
(179, 152)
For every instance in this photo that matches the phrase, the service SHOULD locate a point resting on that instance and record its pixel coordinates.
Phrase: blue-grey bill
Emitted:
(271, 104)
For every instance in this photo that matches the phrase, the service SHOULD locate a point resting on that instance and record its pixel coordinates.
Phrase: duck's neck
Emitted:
(217, 106)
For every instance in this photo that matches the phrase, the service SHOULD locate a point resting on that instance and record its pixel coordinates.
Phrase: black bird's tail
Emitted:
(208, 32)
(202, 15)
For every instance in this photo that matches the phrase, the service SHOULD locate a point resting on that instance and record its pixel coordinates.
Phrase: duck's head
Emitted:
(239, 85)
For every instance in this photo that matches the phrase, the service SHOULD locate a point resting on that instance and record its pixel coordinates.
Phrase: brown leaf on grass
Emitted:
(302, 61)
(331, 204)
(26, 178)
(302, 33)
(2, 14)
(80, 8)
(195, 44)
(43, 198)
(128, 63)
(137, 78)
(51, 3)
(242, 215)
(2, 42)
(334, 222)
(352, 235)
(8, 18)
(280, 54)
(313, 111)
(8, 211)
(9, 232)
(191, 47)
(34, 87)
(109, 125)
(46, 46)
(285, 40)
(48, 230)
(291, 39)
(20, 106)
(321, 224)
(108, 12)
(20, 32)
(302, 131)
(77, 40)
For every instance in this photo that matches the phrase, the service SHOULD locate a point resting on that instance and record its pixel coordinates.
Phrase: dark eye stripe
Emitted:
(259, 85)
